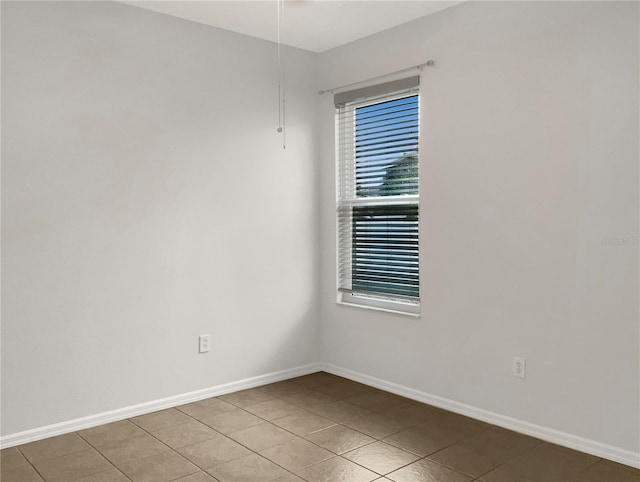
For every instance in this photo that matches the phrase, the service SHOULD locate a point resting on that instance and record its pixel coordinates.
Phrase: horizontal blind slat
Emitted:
(378, 215)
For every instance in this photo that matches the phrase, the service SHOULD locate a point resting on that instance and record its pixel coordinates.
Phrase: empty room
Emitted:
(321, 241)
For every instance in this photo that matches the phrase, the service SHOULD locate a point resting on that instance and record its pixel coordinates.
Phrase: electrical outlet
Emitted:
(519, 367)
(204, 343)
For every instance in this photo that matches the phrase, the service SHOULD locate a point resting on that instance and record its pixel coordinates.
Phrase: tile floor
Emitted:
(315, 428)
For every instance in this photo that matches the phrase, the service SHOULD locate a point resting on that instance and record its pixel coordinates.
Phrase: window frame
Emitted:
(397, 304)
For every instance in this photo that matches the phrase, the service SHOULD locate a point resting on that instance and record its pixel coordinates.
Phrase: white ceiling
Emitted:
(315, 25)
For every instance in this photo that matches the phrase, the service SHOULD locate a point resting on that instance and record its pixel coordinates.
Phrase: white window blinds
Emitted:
(378, 195)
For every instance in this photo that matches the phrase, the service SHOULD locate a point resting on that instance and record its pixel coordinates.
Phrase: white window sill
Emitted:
(397, 308)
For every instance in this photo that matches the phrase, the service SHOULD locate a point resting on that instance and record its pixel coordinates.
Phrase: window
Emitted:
(378, 196)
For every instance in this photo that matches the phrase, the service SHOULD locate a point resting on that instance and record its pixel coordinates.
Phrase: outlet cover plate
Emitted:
(519, 367)
(204, 343)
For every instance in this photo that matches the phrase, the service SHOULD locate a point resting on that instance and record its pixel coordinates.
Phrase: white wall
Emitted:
(146, 199)
(529, 160)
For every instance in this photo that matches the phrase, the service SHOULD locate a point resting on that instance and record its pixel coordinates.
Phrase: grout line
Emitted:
(282, 428)
(31, 464)
(173, 449)
(382, 439)
(311, 411)
(302, 437)
(64, 455)
(512, 458)
(227, 436)
(103, 456)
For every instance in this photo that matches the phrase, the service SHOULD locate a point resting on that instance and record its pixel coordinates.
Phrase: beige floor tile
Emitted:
(11, 458)
(206, 407)
(24, 473)
(339, 439)
(423, 442)
(231, 421)
(244, 398)
(249, 468)
(263, 436)
(426, 471)
(610, 472)
(436, 434)
(343, 389)
(213, 452)
(375, 400)
(197, 477)
(304, 424)
(53, 447)
(281, 389)
(318, 379)
(152, 422)
(381, 457)
(324, 386)
(111, 433)
(463, 427)
(186, 434)
(484, 452)
(594, 458)
(340, 411)
(376, 425)
(308, 399)
(544, 463)
(71, 467)
(162, 467)
(413, 412)
(337, 469)
(296, 455)
(111, 475)
(274, 409)
(120, 453)
(289, 478)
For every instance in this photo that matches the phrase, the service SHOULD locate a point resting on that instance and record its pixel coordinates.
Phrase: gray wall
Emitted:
(529, 160)
(146, 199)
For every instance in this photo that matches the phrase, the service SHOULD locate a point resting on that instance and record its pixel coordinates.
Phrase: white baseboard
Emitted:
(582, 444)
(155, 405)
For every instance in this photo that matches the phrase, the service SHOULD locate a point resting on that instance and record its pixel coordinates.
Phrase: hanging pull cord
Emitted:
(281, 91)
